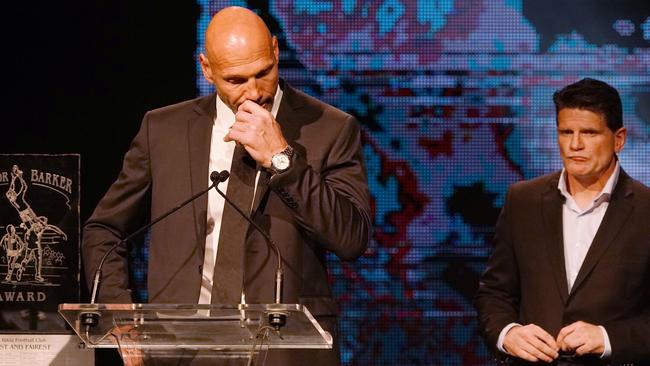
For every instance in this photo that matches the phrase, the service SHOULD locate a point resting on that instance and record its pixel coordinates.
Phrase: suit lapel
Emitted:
(290, 128)
(619, 209)
(552, 202)
(199, 138)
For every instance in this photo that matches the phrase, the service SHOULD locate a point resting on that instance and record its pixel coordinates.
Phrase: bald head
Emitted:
(241, 57)
(236, 29)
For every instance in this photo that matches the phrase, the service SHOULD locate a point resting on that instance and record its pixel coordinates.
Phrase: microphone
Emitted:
(91, 318)
(277, 319)
(219, 177)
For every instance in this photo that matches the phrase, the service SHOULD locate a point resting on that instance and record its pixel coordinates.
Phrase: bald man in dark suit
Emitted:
(296, 166)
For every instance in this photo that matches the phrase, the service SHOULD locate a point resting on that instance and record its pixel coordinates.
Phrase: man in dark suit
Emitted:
(296, 166)
(569, 279)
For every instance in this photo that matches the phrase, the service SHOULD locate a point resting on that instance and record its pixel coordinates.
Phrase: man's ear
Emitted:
(205, 67)
(620, 136)
(276, 49)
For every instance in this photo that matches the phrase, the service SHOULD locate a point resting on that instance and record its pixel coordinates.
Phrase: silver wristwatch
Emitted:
(281, 161)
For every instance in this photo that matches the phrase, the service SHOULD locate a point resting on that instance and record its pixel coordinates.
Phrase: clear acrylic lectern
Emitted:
(172, 331)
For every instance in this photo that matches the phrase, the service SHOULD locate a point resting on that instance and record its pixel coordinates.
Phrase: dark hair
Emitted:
(595, 96)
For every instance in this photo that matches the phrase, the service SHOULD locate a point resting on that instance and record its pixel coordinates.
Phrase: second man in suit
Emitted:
(569, 279)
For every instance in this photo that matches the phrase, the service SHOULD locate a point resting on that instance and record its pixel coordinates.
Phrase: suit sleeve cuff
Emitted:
(608, 346)
(502, 336)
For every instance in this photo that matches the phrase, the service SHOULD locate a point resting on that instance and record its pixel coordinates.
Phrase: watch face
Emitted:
(280, 161)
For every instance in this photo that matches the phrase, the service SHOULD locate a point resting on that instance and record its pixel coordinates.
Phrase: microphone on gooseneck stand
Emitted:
(277, 319)
(91, 318)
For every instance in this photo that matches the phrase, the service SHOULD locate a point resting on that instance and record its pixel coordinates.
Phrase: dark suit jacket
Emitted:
(320, 204)
(525, 280)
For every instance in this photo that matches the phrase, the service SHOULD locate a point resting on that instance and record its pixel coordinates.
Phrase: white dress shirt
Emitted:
(221, 154)
(579, 227)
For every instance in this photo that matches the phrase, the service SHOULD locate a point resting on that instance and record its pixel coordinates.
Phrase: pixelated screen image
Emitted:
(454, 98)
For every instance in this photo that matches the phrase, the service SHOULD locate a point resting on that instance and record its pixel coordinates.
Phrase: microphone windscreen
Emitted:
(218, 177)
(215, 176)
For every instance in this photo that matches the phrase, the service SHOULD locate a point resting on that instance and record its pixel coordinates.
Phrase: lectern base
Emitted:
(196, 334)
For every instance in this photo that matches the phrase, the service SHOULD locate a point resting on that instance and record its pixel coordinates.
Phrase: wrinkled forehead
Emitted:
(241, 53)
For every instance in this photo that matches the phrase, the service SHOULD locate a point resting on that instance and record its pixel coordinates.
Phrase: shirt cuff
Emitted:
(608, 346)
(502, 336)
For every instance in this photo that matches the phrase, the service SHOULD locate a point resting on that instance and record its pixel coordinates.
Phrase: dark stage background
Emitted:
(454, 98)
